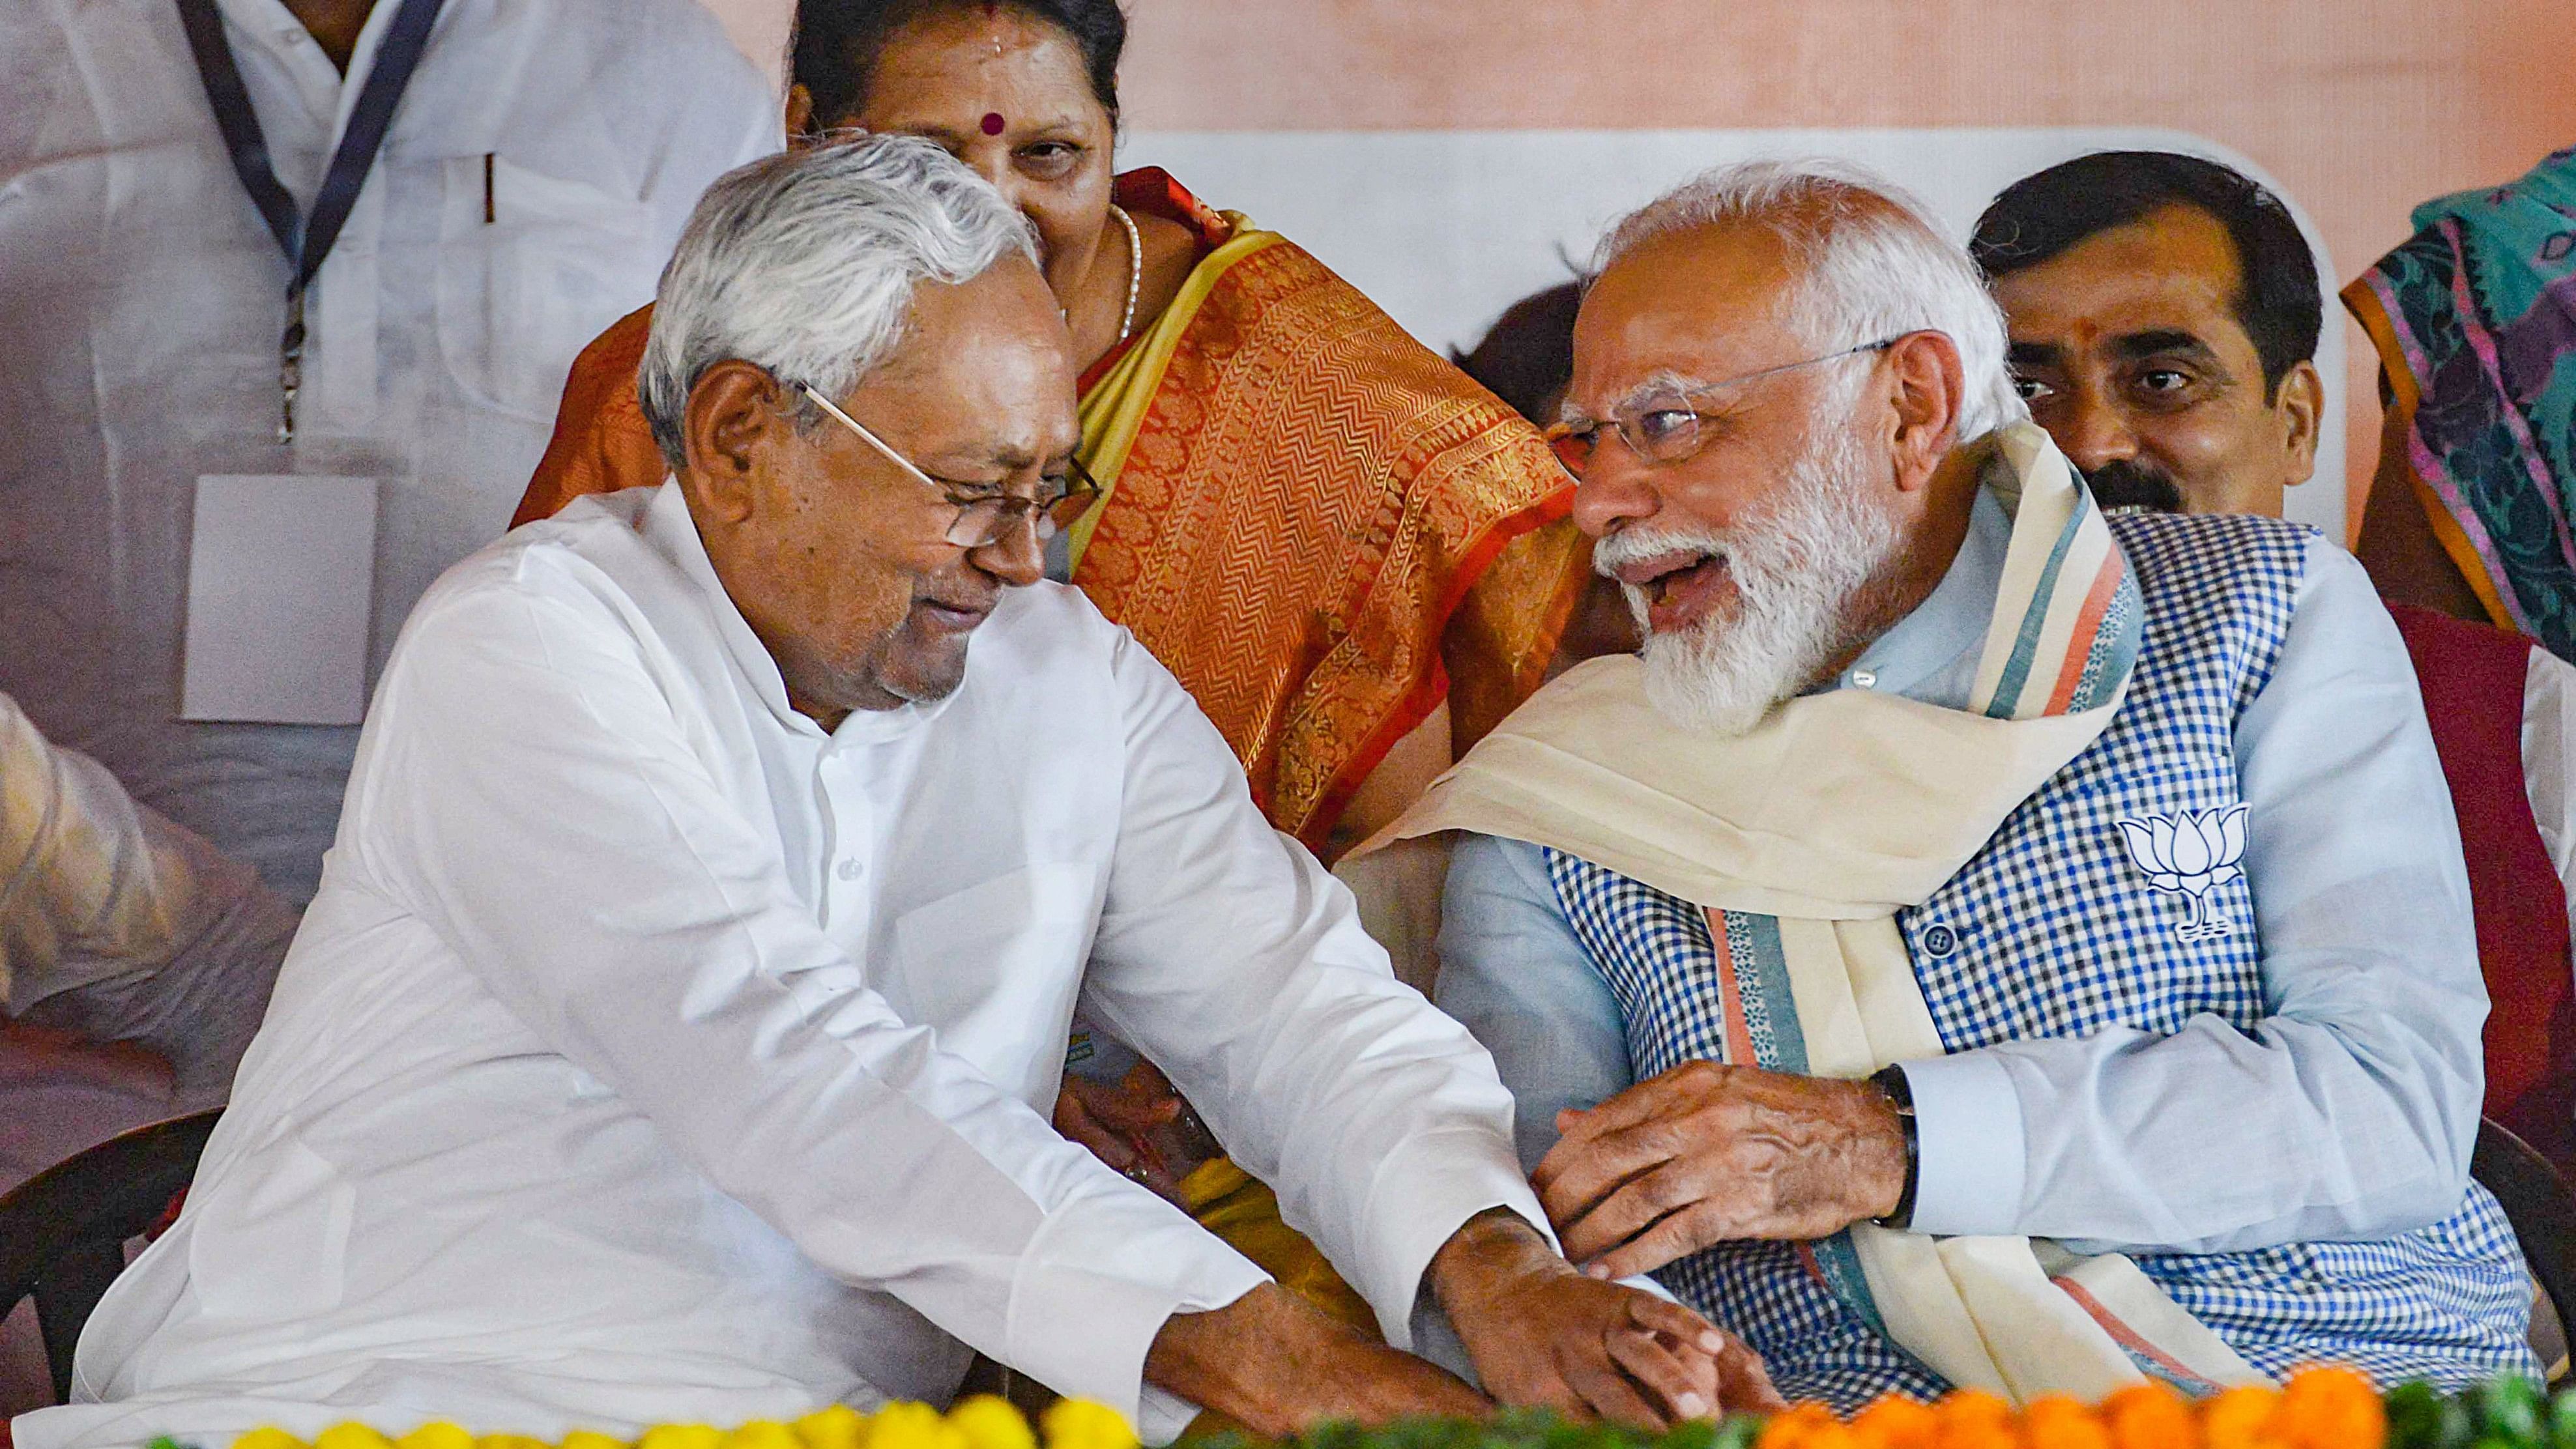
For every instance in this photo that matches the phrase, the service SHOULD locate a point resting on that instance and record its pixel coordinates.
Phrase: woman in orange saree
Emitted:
(1325, 531)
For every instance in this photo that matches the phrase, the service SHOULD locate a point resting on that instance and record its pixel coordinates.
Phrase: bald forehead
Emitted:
(1705, 302)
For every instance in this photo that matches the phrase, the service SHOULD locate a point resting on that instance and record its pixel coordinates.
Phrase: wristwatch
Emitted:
(1900, 1093)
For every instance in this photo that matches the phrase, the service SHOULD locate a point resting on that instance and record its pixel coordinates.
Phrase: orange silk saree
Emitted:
(1312, 520)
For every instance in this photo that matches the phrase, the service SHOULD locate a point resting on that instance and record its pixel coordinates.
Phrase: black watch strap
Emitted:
(1891, 1080)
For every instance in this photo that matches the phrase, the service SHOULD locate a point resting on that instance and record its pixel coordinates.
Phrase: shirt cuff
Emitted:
(1094, 1291)
(1426, 1190)
(1968, 1127)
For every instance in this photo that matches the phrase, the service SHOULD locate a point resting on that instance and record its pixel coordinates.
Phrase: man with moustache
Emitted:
(672, 1036)
(2163, 313)
(1982, 941)
(2145, 293)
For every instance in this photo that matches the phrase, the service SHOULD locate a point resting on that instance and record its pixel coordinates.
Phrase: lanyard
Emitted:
(305, 240)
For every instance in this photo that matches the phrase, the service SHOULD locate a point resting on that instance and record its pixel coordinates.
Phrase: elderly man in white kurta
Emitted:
(672, 1035)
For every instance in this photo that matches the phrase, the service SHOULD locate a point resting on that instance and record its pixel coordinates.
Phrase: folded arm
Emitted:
(2350, 1110)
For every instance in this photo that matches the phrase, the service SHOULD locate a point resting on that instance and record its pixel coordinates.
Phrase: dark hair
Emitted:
(2277, 299)
(1530, 351)
(837, 42)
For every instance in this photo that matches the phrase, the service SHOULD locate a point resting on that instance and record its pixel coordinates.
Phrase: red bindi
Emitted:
(993, 123)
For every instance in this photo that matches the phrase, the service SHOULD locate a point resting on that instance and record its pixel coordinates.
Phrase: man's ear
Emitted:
(800, 111)
(733, 420)
(1929, 387)
(2301, 407)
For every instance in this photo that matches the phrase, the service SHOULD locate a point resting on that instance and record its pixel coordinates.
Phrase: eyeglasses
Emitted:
(1662, 425)
(984, 519)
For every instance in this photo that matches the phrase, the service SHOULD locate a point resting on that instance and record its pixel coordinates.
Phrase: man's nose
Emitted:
(1016, 557)
(2092, 432)
(1615, 487)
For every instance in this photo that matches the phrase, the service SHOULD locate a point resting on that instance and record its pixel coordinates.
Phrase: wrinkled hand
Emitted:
(1280, 1367)
(1543, 1335)
(1119, 1123)
(1706, 1154)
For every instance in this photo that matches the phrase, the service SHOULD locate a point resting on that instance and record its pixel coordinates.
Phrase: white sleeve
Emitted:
(120, 925)
(2349, 1110)
(2548, 734)
(1229, 957)
(528, 790)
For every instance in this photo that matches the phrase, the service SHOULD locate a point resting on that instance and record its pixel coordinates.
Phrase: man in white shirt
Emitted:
(673, 1033)
(535, 172)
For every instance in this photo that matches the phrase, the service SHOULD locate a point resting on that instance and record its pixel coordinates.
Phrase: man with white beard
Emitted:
(2124, 836)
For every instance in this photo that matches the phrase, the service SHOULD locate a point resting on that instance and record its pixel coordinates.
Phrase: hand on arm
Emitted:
(1705, 1154)
(1278, 1367)
(1544, 1335)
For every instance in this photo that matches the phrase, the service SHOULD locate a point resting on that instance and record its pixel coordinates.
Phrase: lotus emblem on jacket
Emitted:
(2190, 855)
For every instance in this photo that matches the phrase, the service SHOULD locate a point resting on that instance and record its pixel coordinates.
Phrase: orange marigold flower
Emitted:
(2149, 1416)
(1974, 1419)
(2240, 1418)
(2056, 1422)
(2326, 1407)
(1799, 1428)
(1897, 1422)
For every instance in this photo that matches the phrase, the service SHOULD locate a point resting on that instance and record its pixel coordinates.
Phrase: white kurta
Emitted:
(141, 298)
(651, 1054)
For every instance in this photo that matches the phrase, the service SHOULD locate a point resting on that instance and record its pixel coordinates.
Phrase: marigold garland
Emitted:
(2318, 1408)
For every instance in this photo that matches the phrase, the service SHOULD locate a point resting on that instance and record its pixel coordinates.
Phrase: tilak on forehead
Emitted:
(993, 123)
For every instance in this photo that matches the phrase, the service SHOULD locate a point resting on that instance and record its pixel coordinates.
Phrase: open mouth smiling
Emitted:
(1680, 586)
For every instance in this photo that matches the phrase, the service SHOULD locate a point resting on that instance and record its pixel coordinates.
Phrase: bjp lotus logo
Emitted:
(2190, 855)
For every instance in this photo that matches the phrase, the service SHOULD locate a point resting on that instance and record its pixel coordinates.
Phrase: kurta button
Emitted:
(847, 870)
(1940, 940)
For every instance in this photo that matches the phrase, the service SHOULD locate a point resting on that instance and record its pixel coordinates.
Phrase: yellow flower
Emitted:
(522, 1441)
(912, 1426)
(991, 1423)
(436, 1434)
(351, 1436)
(762, 1434)
(1085, 1424)
(834, 1426)
(591, 1439)
(682, 1436)
(268, 1437)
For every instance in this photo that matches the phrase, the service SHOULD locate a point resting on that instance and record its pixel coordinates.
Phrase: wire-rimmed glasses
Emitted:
(983, 519)
(1662, 424)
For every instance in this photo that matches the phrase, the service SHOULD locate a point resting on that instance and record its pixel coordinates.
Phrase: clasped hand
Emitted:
(1542, 1334)
(1705, 1154)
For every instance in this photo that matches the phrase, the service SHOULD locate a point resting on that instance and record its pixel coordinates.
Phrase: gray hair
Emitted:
(804, 263)
(1870, 265)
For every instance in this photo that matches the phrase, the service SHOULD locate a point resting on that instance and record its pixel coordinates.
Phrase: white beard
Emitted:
(1803, 570)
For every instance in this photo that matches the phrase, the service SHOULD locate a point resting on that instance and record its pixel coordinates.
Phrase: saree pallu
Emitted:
(1320, 527)
(2474, 319)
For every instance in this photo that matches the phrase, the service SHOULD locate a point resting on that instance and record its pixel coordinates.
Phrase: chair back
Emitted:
(2541, 1204)
(63, 1232)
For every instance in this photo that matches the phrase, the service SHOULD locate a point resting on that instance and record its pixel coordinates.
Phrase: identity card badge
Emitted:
(281, 580)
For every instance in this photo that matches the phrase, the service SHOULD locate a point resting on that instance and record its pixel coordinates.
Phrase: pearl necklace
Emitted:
(1127, 325)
